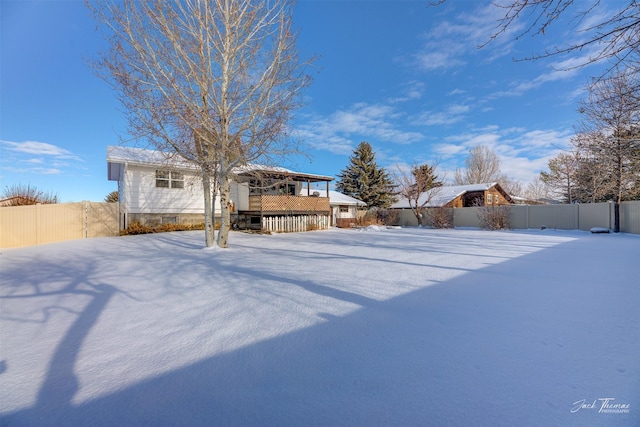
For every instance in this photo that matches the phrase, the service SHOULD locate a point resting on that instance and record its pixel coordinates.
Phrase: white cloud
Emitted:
(448, 42)
(411, 91)
(39, 148)
(523, 153)
(452, 114)
(51, 160)
(341, 130)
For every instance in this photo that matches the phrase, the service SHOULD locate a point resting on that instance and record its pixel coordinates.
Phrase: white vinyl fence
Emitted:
(563, 217)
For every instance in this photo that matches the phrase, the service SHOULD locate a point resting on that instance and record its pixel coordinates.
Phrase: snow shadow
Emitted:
(514, 343)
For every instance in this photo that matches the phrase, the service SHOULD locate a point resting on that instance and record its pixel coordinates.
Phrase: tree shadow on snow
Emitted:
(488, 347)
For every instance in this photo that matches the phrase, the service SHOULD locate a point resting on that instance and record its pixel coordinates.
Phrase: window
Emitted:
(489, 201)
(497, 199)
(169, 179)
(344, 208)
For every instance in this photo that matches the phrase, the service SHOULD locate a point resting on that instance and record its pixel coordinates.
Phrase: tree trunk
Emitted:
(225, 208)
(208, 210)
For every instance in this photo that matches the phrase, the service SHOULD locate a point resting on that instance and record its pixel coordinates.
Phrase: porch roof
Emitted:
(253, 170)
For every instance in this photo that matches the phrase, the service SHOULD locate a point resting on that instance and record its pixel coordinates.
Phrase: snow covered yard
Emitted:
(341, 327)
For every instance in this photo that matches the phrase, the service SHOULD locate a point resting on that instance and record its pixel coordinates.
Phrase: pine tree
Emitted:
(365, 180)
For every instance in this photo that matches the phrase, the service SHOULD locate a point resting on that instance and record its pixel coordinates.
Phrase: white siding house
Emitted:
(344, 209)
(154, 189)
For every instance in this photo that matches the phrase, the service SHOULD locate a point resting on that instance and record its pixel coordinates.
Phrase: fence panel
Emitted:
(563, 217)
(406, 218)
(630, 217)
(60, 222)
(466, 217)
(102, 219)
(39, 224)
(594, 215)
(18, 226)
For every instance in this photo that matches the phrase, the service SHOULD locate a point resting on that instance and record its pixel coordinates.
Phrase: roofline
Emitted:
(180, 163)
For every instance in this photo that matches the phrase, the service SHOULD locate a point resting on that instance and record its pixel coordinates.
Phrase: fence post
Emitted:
(38, 224)
(86, 219)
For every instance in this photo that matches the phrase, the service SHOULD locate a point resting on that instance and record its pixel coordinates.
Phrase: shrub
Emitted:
(440, 217)
(378, 216)
(494, 217)
(136, 227)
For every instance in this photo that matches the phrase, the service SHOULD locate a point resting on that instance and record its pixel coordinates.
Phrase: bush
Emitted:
(494, 217)
(137, 228)
(440, 217)
(378, 216)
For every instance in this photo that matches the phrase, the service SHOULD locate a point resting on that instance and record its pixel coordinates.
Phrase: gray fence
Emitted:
(563, 217)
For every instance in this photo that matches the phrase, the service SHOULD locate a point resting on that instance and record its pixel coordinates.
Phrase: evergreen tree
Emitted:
(425, 178)
(365, 180)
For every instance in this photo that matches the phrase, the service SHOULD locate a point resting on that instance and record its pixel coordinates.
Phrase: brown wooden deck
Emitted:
(279, 204)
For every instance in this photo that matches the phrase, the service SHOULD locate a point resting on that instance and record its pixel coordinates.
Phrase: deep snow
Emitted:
(376, 327)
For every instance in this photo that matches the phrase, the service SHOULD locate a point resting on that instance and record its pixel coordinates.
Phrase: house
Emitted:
(460, 196)
(344, 209)
(155, 189)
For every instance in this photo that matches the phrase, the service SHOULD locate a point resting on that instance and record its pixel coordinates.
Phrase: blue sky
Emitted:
(405, 77)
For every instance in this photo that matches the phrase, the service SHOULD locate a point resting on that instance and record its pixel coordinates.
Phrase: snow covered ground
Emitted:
(388, 327)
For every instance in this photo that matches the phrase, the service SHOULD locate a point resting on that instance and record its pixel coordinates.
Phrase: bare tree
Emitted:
(26, 194)
(592, 176)
(536, 190)
(561, 177)
(482, 165)
(612, 36)
(419, 186)
(611, 119)
(214, 82)
(510, 186)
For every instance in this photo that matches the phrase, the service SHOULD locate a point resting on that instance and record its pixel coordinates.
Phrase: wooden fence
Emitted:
(295, 223)
(38, 224)
(563, 217)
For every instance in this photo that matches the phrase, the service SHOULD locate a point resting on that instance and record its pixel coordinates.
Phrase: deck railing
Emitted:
(271, 203)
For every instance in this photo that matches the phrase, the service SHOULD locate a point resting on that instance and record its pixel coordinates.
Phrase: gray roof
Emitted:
(440, 196)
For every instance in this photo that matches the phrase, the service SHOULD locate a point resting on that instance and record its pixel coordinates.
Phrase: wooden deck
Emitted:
(269, 204)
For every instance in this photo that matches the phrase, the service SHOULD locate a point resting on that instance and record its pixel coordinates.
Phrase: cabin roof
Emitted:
(440, 196)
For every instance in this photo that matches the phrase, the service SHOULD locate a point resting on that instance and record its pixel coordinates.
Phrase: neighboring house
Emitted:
(153, 189)
(344, 209)
(461, 196)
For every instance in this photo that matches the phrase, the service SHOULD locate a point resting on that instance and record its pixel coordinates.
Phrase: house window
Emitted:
(254, 186)
(344, 208)
(497, 199)
(169, 179)
(489, 199)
